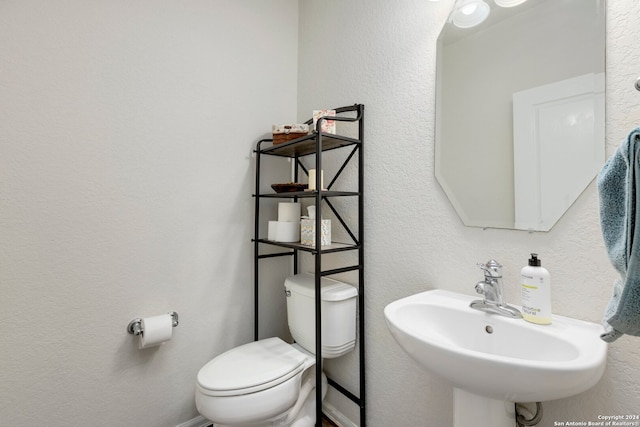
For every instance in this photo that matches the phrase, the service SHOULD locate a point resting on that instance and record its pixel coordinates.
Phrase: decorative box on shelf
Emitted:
(285, 133)
(328, 126)
(308, 232)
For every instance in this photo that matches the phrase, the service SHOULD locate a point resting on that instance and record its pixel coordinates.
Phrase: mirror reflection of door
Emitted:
(479, 69)
(556, 140)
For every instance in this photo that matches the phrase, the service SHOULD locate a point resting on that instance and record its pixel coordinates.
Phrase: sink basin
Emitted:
(494, 356)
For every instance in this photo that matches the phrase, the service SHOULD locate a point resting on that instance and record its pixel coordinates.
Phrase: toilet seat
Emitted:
(255, 383)
(251, 368)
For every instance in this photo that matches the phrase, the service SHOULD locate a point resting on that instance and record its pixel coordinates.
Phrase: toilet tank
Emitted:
(338, 309)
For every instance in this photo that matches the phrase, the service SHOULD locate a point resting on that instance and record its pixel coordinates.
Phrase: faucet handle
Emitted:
(491, 269)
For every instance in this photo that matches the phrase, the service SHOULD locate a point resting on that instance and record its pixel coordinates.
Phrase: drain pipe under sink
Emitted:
(524, 417)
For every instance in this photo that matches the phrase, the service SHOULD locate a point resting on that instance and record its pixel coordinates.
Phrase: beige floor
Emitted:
(327, 423)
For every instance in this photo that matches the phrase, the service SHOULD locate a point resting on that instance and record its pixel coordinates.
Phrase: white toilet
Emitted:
(270, 382)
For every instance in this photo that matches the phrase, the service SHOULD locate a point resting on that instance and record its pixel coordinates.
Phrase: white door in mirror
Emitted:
(556, 130)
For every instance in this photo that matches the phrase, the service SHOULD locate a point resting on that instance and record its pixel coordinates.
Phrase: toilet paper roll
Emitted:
(288, 231)
(155, 330)
(289, 212)
(272, 233)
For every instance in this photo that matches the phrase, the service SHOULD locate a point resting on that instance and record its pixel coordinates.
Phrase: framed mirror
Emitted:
(520, 111)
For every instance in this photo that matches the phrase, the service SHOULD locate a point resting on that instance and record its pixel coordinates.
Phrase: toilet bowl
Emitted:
(270, 382)
(263, 383)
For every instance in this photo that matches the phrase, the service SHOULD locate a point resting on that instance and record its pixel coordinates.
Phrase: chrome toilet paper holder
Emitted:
(135, 326)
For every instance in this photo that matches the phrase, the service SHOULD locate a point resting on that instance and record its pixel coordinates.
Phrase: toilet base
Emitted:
(307, 415)
(303, 412)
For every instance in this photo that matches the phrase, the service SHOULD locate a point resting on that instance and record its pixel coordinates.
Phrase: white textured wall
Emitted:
(125, 190)
(382, 54)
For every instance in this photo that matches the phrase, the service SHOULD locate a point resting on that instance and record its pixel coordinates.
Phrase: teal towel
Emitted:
(619, 191)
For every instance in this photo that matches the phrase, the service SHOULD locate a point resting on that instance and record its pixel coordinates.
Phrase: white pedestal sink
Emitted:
(493, 361)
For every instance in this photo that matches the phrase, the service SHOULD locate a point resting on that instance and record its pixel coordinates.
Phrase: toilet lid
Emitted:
(251, 368)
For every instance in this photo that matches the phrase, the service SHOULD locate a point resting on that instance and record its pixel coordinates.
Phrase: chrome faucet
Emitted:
(491, 289)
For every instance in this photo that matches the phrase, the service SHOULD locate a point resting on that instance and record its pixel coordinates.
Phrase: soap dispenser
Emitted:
(536, 292)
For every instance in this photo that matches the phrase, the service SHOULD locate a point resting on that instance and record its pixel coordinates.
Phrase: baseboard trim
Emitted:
(328, 409)
(336, 416)
(198, 421)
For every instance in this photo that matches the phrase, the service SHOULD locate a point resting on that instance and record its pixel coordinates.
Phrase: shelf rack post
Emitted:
(361, 287)
(318, 277)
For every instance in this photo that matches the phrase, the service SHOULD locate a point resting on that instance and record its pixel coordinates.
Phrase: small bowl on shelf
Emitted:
(289, 187)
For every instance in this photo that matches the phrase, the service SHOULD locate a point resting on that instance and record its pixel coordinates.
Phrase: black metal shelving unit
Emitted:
(316, 144)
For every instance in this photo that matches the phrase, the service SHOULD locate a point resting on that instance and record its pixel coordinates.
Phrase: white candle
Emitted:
(312, 179)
